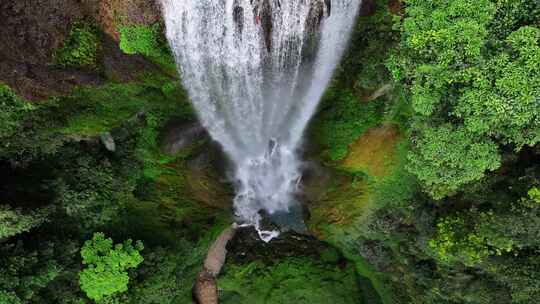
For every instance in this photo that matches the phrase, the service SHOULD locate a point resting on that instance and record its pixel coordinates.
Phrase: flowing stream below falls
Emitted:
(255, 71)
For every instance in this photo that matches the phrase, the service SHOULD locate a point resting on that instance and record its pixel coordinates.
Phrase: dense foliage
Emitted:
(430, 138)
(147, 41)
(81, 48)
(467, 84)
(60, 185)
(106, 267)
(295, 280)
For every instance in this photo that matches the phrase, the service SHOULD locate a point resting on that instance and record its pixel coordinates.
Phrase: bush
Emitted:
(149, 42)
(106, 272)
(13, 112)
(140, 39)
(81, 48)
(14, 221)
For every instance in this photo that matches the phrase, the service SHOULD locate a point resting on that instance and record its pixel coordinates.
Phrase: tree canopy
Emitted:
(106, 266)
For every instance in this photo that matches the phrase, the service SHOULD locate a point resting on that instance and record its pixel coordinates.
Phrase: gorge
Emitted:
(255, 71)
(385, 151)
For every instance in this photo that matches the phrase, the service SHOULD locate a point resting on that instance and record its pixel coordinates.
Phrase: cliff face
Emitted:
(33, 31)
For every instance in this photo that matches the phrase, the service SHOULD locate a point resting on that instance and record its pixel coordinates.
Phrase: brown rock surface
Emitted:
(395, 7)
(205, 289)
(218, 252)
(127, 12)
(32, 30)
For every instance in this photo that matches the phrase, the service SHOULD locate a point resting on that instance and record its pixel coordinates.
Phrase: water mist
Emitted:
(255, 71)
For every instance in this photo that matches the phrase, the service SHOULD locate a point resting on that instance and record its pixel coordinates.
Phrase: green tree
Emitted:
(14, 221)
(82, 46)
(25, 273)
(106, 271)
(447, 158)
(461, 77)
(471, 237)
(92, 191)
(503, 100)
(14, 110)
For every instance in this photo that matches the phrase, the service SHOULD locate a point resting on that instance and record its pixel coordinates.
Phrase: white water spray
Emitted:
(255, 71)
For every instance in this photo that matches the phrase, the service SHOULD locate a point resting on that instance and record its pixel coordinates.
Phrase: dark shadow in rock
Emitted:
(247, 247)
(179, 134)
(368, 8)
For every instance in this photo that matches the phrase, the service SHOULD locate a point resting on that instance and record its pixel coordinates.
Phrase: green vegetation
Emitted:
(149, 42)
(465, 162)
(344, 121)
(446, 223)
(14, 221)
(62, 186)
(294, 280)
(430, 138)
(106, 267)
(81, 48)
(13, 112)
(470, 86)
(140, 39)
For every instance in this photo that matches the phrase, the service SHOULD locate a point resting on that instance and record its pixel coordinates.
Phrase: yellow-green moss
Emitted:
(82, 46)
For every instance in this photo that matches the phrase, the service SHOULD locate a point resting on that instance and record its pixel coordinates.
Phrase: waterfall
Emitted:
(255, 71)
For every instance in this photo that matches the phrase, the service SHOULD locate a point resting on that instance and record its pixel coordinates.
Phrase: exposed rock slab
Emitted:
(218, 251)
(32, 31)
(205, 288)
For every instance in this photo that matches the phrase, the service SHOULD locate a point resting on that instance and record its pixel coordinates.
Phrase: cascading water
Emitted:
(255, 71)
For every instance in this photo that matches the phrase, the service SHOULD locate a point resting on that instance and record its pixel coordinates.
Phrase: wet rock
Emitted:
(205, 289)
(318, 11)
(127, 12)
(283, 221)
(39, 81)
(246, 246)
(238, 17)
(206, 178)
(218, 251)
(381, 91)
(368, 8)
(120, 66)
(263, 12)
(32, 29)
(178, 135)
(108, 141)
(315, 181)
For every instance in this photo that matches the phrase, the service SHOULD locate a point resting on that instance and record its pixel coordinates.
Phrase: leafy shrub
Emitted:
(106, 273)
(14, 221)
(149, 42)
(82, 46)
(25, 273)
(26, 129)
(13, 112)
(140, 39)
(293, 280)
(447, 158)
